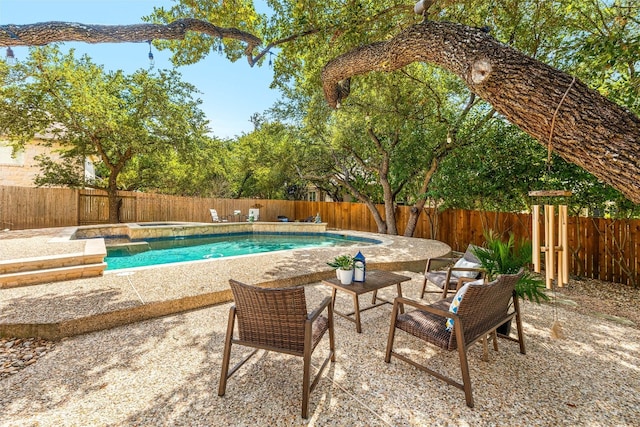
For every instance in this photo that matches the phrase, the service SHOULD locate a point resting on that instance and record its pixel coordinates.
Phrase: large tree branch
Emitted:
(589, 130)
(338, 28)
(43, 33)
(254, 60)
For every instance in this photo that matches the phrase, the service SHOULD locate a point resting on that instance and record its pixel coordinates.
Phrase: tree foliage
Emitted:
(595, 40)
(109, 116)
(511, 82)
(263, 163)
(602, 43)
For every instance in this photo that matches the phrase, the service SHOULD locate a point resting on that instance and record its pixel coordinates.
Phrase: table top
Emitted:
(374, 280)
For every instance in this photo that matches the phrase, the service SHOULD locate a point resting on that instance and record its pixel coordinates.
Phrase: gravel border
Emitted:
(165, 372)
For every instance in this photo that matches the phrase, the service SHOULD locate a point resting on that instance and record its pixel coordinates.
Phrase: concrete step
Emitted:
(35, 277)
(22, 265)
(54, 268)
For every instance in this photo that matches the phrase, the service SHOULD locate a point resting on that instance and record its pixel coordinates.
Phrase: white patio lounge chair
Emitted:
(253, 213)
(215, 217)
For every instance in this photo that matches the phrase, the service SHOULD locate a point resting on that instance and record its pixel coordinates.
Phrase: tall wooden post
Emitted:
(550, 244)
(535, 237)
(556, 240)
(563, 238)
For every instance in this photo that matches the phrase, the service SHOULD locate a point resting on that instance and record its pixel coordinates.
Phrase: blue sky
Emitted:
(231, 92)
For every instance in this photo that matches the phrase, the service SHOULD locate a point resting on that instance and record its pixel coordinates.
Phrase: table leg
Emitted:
(400, 295)
(333, 298)
(356, 307)
(375, 297)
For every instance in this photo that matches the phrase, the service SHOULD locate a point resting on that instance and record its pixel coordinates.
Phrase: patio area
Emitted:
(165, 371)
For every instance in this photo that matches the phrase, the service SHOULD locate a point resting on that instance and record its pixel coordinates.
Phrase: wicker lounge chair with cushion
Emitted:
(277, 320)
(466, 269)
(457, 323)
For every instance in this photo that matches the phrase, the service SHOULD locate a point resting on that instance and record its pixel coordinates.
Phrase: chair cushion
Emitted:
(470, 255)
(438, 278)
(455, 303)
(463, 263)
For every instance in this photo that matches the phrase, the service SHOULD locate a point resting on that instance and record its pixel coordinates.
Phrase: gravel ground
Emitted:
(165, 372)
(595, 297)
(18, 353)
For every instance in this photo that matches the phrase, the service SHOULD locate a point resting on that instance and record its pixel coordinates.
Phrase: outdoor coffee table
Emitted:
(374, 280)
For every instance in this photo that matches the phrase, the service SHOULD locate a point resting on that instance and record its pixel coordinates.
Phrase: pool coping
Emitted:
(148, 231)
(68, 308)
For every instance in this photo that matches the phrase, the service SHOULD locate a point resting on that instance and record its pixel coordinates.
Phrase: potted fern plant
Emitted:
(505, 257)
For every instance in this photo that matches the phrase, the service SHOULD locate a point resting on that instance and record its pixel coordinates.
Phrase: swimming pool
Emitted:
(192, 248)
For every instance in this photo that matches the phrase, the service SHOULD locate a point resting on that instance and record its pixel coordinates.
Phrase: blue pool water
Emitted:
(180, 249)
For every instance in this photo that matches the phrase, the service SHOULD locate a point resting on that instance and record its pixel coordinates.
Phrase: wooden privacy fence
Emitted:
(599, 248)
(25, 207)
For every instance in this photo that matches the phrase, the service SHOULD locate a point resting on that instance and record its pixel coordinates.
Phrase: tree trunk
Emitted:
(389, 200)
(380, 223)
(390, 216)
(588, 130)
(417, 208)
(112, 194)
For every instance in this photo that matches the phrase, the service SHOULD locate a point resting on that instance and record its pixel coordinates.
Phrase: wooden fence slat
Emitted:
(595, 261)
(571, 237)
(617, 243)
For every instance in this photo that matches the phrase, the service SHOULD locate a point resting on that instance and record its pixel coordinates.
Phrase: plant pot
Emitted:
(504, 329)
(345, 276)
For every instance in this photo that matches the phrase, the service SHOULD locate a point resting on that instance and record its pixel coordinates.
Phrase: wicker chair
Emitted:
(277, 320)
(483, 308)
(451, 275)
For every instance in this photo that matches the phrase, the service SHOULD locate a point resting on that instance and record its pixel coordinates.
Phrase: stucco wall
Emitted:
(22, 170)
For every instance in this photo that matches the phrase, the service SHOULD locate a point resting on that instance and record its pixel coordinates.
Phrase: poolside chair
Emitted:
(253, 213)
(215, 217)
(466, 268)
(276, 319)
(479, 309)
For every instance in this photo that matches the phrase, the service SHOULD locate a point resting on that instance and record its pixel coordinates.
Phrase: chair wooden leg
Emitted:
(495, 339)
(392, 332)
(464, 364)
(399, 289)
(516, 307)
(485, 350)
(445, 290)
(306, 375)
(424, 286)
(227, 352)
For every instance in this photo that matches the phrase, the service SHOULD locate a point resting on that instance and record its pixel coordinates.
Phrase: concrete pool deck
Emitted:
(67, 308)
